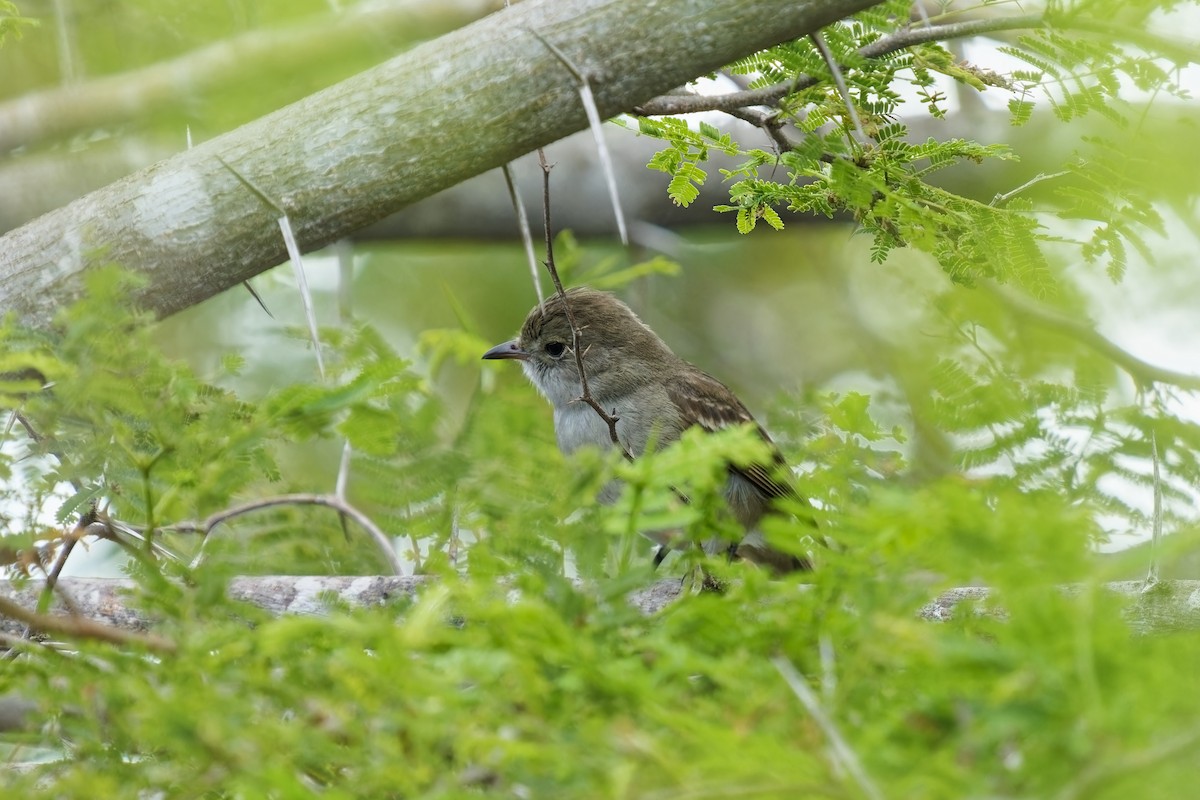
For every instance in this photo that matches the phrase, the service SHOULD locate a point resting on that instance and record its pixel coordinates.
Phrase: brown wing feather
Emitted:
(707, 402)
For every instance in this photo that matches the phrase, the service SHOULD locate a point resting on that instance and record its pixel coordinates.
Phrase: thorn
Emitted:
(561, 56)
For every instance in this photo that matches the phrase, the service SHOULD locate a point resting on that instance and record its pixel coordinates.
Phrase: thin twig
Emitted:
(842, 752)
(771, 95)
(15, 645)
(1001, 198)
(828, 667)
(1142, 372)
(1157, 526)
(343, 474)
(839, 81)
(82, 627)
(306, 300)
(770, 124)
(328, 500)
(68, 545)
(922, 14)
(69, 542)
(576, 333)
(38, 438)
(343, 250)
(1105, 772)
(118, 532)
(343, 479)
(526, 234)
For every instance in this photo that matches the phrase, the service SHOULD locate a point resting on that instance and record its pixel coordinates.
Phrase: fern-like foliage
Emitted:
(123, 431)
(1057, 418)
(1079, 64)
(11, 21)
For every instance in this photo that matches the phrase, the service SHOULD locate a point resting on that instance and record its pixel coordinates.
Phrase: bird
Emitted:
(655, 395)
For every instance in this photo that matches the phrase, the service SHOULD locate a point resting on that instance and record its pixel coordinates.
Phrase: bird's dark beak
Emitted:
(507, 350)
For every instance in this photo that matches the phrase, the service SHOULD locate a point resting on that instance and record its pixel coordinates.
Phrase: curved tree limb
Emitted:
(1142, 372)
(334, 501)
(110, 99)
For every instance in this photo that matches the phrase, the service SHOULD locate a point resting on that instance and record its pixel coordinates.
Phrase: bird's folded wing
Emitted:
(708, 403)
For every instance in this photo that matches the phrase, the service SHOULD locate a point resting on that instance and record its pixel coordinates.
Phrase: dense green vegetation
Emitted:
(1001, 444)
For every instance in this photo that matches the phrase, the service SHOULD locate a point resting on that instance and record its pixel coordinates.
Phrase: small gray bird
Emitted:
(654, 393)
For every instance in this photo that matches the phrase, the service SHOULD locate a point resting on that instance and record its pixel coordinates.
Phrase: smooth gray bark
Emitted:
(352, 154)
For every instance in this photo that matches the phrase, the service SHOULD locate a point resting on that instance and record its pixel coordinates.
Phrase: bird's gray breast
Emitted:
(577, 425)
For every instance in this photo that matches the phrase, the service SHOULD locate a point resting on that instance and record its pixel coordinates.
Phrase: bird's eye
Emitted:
(556, 349)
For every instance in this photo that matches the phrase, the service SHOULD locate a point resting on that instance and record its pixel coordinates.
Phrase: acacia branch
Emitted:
(610, 419)
(1178, 52)
(839, 81)
(771, 95)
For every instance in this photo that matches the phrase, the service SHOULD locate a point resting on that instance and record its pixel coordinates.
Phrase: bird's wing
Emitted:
(705, 401)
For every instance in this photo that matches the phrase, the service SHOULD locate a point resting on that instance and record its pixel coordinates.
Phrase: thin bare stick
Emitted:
(841, 750)
(343, 249)
(1156, 530)
(343, 475)
(773, 126)
(127, 537)
(16, 645)
(610, 419)
(80, 529)
(606, 164)
(839, 81)
(52, 581)
(526, 234)
(1001, 198)
(328, 500)
(83, 628)
(33, 434)
(828, 667)
(1107, 772)
(453, 544)
(310, 313)
(923, 14)
(69, 541)
(68, 60)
